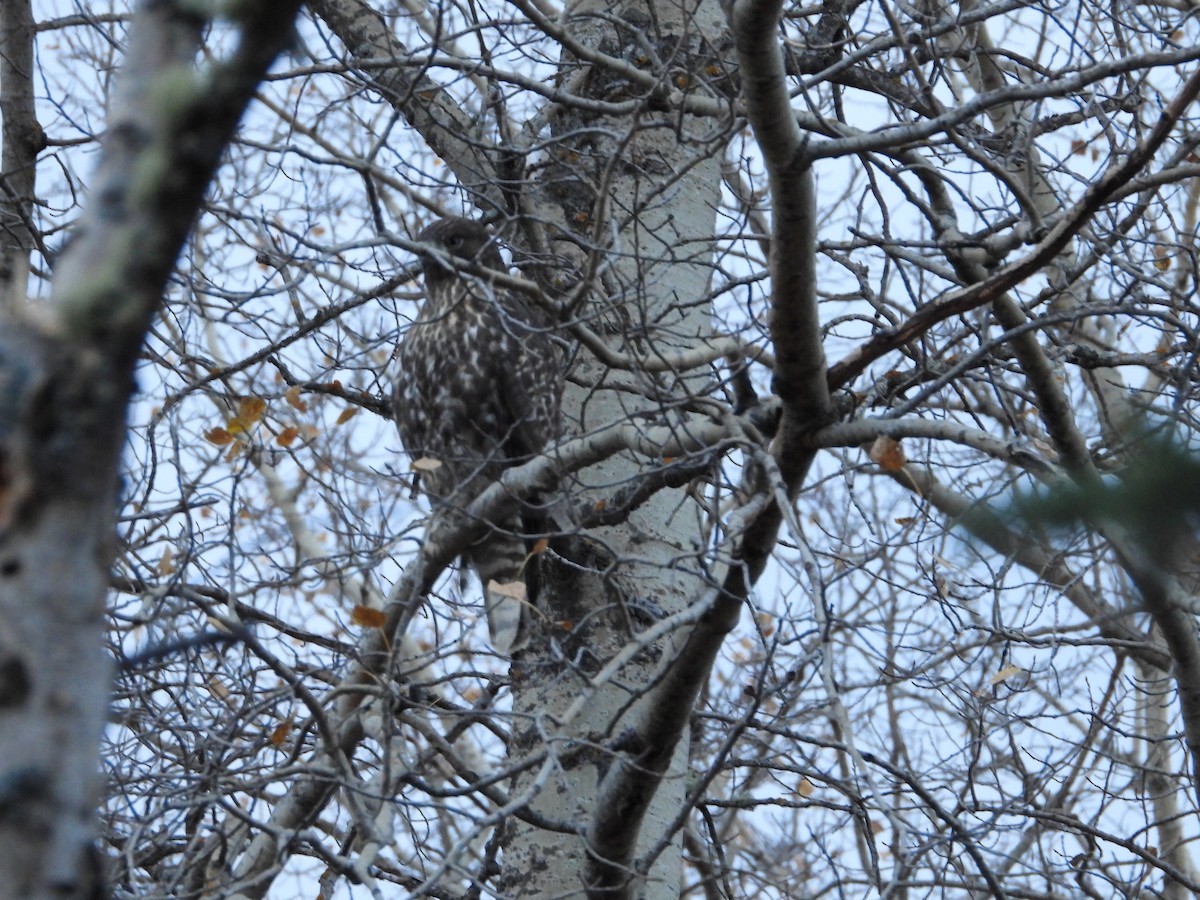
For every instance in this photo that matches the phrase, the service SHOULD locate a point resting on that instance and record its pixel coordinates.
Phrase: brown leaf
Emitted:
(166, 565)
(887, 453)
(218, 436)
(540, 546)
(251, 408)
(425, 464)
(368, 616)
(281, 732)
(347, 414)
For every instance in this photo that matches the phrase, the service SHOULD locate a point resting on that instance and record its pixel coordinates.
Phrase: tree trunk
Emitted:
(646, 193)
(21, 141)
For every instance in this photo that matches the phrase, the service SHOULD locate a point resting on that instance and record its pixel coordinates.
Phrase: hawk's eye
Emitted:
(454, 241)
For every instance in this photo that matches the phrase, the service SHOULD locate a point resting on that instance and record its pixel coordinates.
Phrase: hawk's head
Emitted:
(463, 239)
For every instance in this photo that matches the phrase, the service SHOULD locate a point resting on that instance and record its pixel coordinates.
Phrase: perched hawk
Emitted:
(479, 389)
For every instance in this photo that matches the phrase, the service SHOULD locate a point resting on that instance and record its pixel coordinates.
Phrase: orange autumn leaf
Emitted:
(540, 546)
(218, 436)
(367, 616)
(347, 414)
(288, 436)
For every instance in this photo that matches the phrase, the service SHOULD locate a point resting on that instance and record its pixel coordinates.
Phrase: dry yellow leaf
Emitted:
(1006, 673)
(514, 589)
(293, 398)
(249, 411)
(166, 565)
(766, 623)
(1162, 258)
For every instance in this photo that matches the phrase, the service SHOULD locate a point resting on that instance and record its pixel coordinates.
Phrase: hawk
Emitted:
(479, 390)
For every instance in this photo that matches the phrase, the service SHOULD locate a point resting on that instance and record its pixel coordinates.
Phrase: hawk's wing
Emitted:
(530, 386)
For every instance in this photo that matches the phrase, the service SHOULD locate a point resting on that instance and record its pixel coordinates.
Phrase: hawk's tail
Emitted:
(498, 558)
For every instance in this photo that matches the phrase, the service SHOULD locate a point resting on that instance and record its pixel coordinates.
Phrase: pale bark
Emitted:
(630, 193)
(67, 382)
